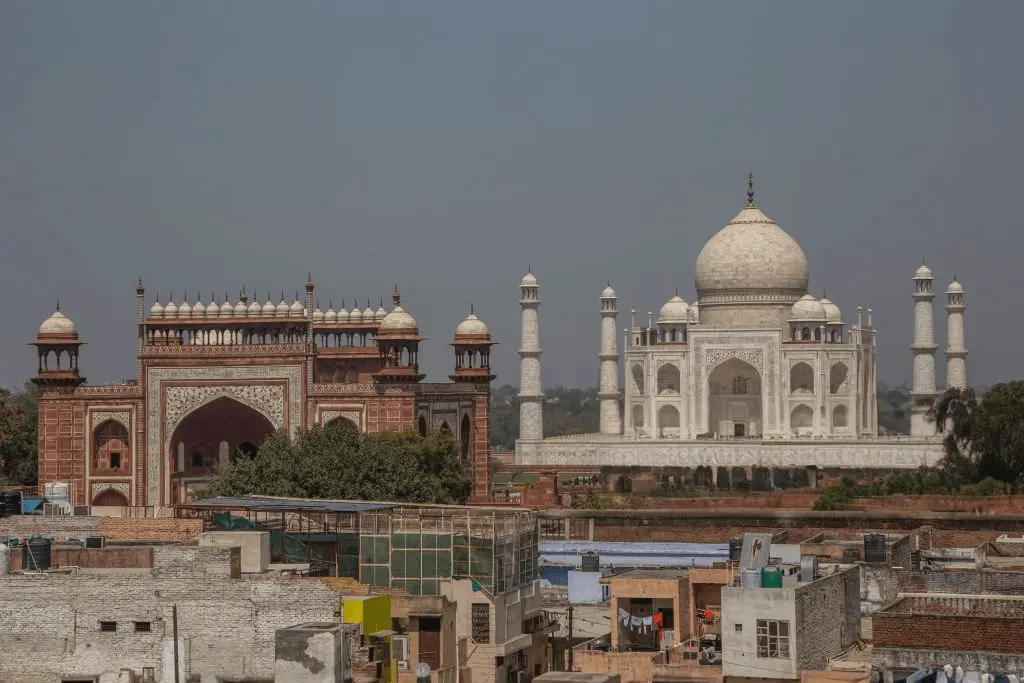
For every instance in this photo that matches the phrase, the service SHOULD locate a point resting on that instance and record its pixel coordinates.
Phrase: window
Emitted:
(197, 460)
(772, 639)
(143, 627)
(482, 622)
(740, 385)
(739, 628)
(115, 461)
(108, 626)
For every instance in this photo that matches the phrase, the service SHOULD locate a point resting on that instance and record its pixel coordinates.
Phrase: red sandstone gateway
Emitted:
(212, 380)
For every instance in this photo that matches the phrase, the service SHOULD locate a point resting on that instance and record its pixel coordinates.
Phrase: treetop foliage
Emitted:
(336, 462)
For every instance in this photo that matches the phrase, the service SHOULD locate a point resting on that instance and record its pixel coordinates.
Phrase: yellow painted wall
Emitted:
(373, 612)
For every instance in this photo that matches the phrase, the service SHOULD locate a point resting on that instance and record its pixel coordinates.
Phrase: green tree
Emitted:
(19, 436)
(983, 439)
(335, 462)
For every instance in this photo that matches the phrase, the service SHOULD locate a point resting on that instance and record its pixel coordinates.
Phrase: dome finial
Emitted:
(58, 304)
(395, 296)
(954, 277)
(471, 311)
(750, 189)
(677, 291)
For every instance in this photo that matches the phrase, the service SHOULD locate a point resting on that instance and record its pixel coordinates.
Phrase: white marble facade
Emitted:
(756, 361)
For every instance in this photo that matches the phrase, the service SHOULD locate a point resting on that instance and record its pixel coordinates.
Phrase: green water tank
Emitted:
(771, 577)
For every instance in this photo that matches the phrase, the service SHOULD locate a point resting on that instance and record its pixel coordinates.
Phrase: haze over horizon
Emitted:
(447, 147)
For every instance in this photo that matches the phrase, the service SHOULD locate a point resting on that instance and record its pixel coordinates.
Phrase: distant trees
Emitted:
(18, 436)
(336, 462)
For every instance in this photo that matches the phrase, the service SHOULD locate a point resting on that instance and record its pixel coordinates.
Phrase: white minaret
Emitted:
(608, 392)
(922, 391)
(531, 395)
(956, 349)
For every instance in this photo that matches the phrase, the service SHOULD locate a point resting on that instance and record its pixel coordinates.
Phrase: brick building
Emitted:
(82, 623)
(213, 380)
(980, 633)
(775, 633)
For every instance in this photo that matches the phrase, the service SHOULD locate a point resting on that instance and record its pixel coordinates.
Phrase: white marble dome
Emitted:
(199, 308)
(355, 315)
(241, 310)
(675, 310)
(331, 316)
(212, 308)
(156, 310)
(318, 315)
(608, 293)
(380, 313)
(296, 310)
(226, 309)
(751, 259)
(923, 273)
(472, 325)
(254, 308)
(343, 316)
(955, 288)
(808, 308)
(171, 309)
(282, 307)
(529, 280)
(398, 320)
(832, 312)
(58, 323)
(369, 315)
(269, 309)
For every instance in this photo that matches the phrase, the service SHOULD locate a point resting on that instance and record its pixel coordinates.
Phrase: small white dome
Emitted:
(832, 312)
(254, 308)
(355, 315)
(675, 310)
(369, 315)
(268, 309)
(472, 325)
(379, 314)
(398, 320)
(212, 309)
(529, 280)
(156, 310)
(955, 288)
(185, 310)
(343, 316)
(58, 323)
(331, 316)
(297, 309)
(807, 308)
(282, 307)
(171, 309)
(923, 273)
(608, 293)
(241, 310)
(227, 310)
(318, 315)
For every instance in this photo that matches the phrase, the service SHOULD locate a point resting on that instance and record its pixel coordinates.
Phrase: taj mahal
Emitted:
(756, 372)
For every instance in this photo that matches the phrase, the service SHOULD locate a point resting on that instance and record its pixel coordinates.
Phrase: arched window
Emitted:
(110, 447)
(801, 419)
(817, 334)
(110, 498)
(445, 429)
(638, 416)
(840, 417)
(801, 379)
(638, 378)
(837, 378)
(668, 422)
(464, 433)
(805, 334)
(740, 385)
(197, 459)
(668, 379)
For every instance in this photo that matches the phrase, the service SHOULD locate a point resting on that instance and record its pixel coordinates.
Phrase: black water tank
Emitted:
(11, 503)
(36, 556)
(874, 548)
(590, 562)
(95, 541)
(735, 549)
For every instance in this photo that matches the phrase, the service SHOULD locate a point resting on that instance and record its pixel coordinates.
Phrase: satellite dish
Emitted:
(422, 670)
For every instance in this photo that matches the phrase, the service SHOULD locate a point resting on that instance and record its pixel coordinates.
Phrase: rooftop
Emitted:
(663, 574)
(948, 604)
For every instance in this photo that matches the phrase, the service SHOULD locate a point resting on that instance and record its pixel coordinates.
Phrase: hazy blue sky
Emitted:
(446, 146)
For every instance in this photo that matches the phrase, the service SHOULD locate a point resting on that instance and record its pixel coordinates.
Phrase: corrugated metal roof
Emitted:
(285, 504)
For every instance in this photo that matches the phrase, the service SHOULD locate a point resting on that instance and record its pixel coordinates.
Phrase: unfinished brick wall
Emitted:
(226, 626)
(827, 618)
(114, 529)
(937, 632)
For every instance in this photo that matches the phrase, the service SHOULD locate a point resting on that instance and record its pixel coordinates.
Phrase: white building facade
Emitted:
(757, 371)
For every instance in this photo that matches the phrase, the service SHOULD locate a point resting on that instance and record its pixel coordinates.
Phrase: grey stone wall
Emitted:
(827, 618)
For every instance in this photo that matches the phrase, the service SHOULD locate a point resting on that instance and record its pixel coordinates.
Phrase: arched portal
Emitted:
(205, 440)
(668, 422)
(734, 400)
(638, 418)
(110, 498)
(637, 374)
(343, 423)
(801, 379)
(801, 420)
(840, 418)
(837, 378)
(668, 379)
